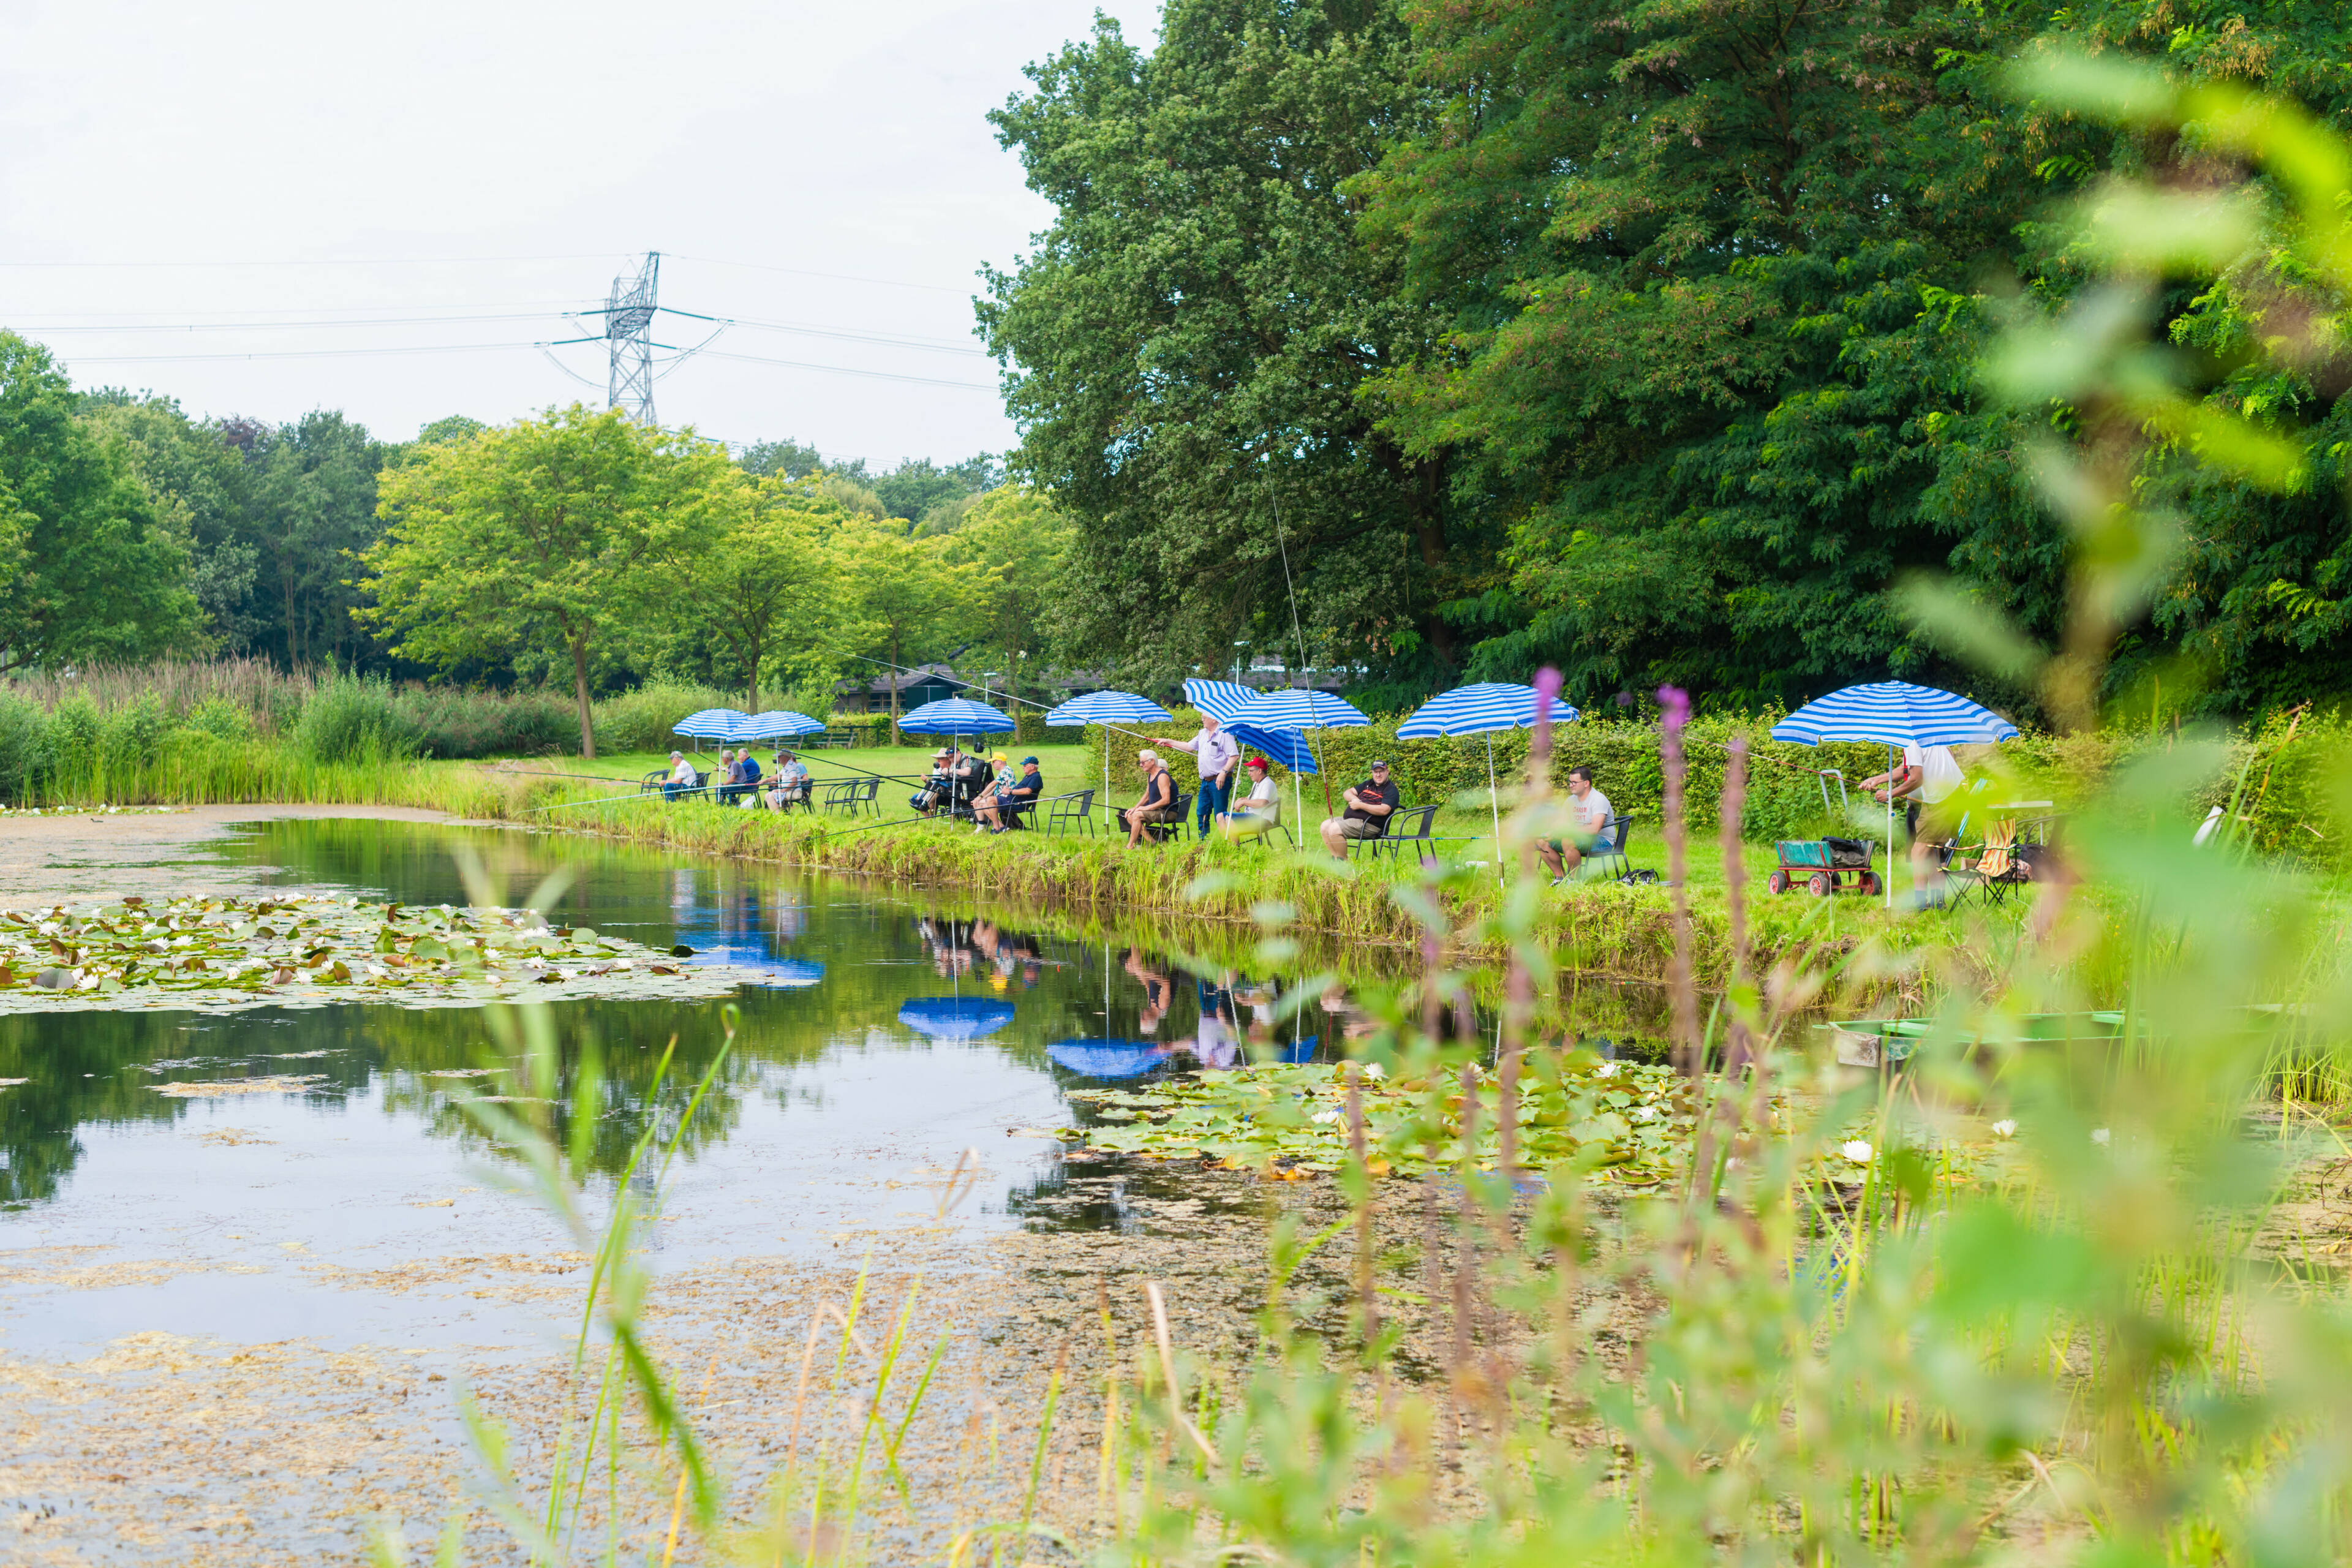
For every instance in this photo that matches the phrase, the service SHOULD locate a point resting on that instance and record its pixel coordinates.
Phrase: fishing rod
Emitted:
(543, 773)
(600, 800)
(992, 691)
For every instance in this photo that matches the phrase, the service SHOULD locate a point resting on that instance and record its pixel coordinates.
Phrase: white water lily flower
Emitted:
(1856, 1150)
(2004, 1128)
(1648, 1113)
(625, 963)
(1325, 1117)
(85, 980)
(1374, 1070)
(2099, 1136)
(1606, 1069)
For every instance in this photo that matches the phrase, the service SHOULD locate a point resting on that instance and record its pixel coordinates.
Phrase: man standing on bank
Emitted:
(1217, 756)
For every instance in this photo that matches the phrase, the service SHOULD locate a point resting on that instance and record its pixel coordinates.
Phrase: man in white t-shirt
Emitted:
(1592, 827)
(1928, 777)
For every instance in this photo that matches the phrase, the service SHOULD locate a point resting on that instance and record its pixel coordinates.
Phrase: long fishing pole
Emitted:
(543, 773)
(1109, 729)
(600, 800)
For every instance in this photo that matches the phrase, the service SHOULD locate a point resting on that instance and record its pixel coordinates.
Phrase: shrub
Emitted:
(641, 721)
(222, 720)
(449, 722)
(354, 719)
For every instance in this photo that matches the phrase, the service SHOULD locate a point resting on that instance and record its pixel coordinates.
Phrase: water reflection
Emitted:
(854, 984)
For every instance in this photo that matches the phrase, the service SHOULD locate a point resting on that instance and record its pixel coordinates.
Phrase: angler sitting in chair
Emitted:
(937, 793)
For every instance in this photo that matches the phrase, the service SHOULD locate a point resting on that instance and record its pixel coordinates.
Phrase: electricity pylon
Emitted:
(629, 311)
(628, 335)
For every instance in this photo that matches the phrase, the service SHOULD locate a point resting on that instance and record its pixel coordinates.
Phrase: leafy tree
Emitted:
(1196, 330)
(449, 428)
(314, 515)
(1691, 255)
(763, 582)
(917, 490)
(786, 460)
(195, 481)
(1018, 545)
(536, 535)
(87, 570)
(910, 598)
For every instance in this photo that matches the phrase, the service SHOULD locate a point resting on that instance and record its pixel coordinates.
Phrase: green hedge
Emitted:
(2292, 783)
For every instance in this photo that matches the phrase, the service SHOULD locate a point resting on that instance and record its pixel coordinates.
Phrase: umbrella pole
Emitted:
(1495, 806)
(1890, 828)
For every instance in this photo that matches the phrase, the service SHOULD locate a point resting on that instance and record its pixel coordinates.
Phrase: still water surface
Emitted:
(888, 1036)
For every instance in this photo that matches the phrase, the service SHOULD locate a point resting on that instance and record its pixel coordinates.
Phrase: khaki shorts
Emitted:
(1155, 814)
(1356, 828)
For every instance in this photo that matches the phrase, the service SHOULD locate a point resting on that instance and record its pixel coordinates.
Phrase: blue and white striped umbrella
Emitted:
(711, 724)
(1480, 709)
(1222, 700)
(1894, 713)
(1110, 708)
(777, 724)
(1292, 708)
(956, 1017)
(1108, 1058)
(957, 716)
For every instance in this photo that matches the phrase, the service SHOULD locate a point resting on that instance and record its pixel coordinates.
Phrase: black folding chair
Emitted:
(1614, 864)
(1160, 832)
(1414, 822)
(1073, 810)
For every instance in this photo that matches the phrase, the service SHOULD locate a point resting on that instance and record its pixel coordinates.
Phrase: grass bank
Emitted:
(1601, 930)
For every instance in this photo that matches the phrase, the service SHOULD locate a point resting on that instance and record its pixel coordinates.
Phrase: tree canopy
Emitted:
(89, 569)
(537, 533)
(1637, 339)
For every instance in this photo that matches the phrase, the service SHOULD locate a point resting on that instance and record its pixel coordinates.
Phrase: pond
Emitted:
(887, 1035)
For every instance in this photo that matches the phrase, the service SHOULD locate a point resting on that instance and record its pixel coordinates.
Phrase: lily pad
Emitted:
(298, 950)
(1632, 1122)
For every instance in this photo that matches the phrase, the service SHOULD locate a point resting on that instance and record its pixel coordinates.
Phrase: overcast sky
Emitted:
(251, 165)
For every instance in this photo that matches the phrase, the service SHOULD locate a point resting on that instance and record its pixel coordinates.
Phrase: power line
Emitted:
(882, 339)
(472, 260)
(320, 261)
(484, 348)
(805, 272)
(299, 353)
(280, 326)
(76, 316)
(845, 370)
